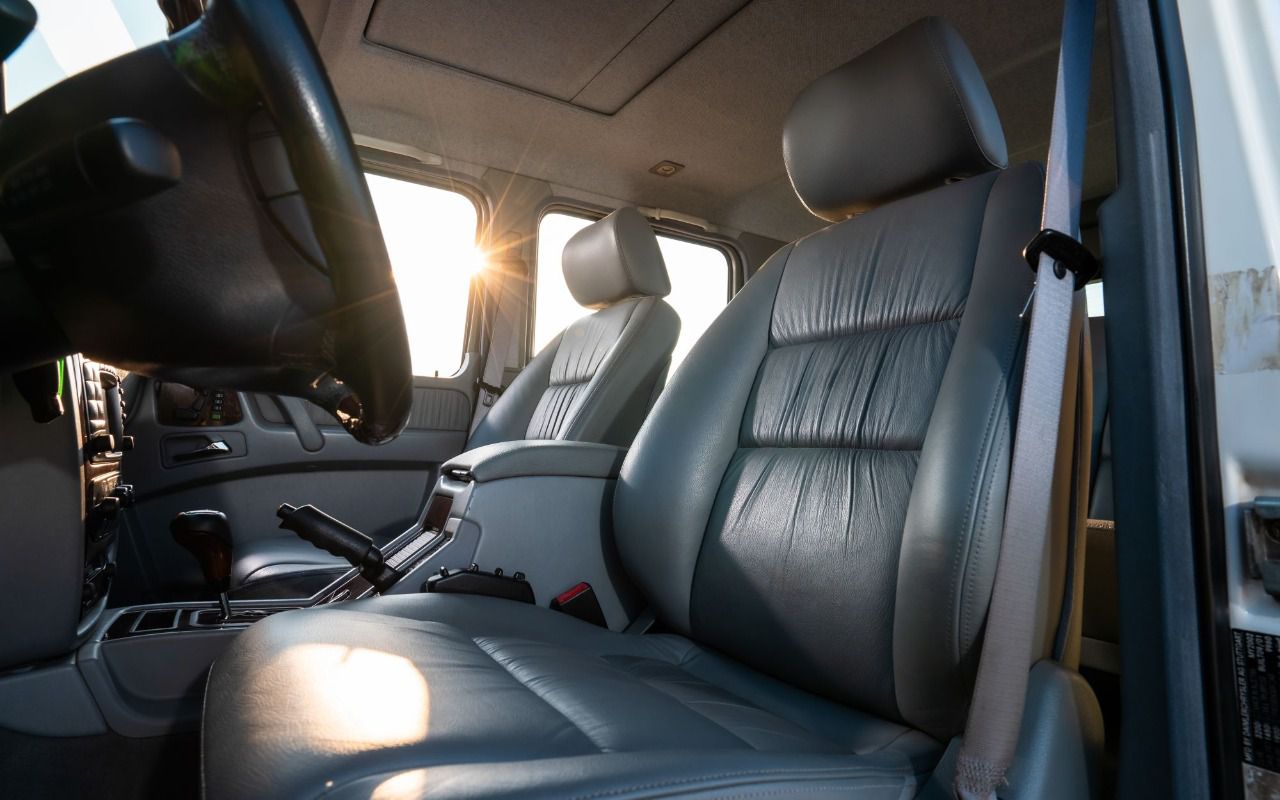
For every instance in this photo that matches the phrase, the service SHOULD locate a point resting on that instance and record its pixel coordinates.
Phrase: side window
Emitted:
(431, 238)
(699, 283)
(1093, 299)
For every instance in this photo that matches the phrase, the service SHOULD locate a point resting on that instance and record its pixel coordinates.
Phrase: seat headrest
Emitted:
(613, 259)
(907, 115)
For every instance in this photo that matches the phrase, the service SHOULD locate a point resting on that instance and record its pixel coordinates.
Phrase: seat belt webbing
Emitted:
(503, 338)
(995, 715)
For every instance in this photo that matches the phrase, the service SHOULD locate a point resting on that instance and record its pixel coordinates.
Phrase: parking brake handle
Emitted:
(342, 540)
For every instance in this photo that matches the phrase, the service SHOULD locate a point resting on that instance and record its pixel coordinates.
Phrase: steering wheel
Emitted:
(209, 223)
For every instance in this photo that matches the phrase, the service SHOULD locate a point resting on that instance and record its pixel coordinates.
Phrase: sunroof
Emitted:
(595, 54)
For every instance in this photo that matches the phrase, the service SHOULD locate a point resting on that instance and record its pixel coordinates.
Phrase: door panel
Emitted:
(280, 450)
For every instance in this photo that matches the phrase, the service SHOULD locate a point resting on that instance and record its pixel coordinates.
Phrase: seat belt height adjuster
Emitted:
(1067, 252)
(491, 392)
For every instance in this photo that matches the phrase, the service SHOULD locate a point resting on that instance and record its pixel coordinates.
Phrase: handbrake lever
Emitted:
(342, 540)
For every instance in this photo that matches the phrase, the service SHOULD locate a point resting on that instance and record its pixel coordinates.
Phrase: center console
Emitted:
(527, 520)
(541, 508)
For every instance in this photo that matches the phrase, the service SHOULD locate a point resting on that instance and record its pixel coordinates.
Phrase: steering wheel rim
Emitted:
(263, 46)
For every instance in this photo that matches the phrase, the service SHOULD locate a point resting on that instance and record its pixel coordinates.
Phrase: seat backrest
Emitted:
(596, 381)
(820, 490)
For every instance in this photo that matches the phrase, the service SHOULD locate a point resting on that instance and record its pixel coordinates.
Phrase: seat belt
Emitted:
(501, 341)
(1062, 266)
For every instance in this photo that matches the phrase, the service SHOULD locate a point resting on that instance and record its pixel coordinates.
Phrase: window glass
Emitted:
(74, 35)
(1093, 299)
(699, 283)
(431, 238)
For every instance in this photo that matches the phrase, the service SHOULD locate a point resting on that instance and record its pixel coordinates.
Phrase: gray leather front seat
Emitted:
(813, 510)
(595, 382)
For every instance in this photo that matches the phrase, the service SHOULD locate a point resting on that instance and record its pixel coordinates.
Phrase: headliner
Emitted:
(590, 94)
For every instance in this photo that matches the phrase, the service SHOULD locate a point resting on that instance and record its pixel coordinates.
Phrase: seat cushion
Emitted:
(431, 690)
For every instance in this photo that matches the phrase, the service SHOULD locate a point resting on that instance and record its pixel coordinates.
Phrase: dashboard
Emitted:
(60, 490)
(103, 443)
(179, 405)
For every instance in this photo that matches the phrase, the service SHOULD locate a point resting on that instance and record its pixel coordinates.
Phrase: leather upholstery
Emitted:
(615, 259)
(907, 115)
(593, 382)
(847, 423)
(345, 698)
(670, 773)
(813, 510)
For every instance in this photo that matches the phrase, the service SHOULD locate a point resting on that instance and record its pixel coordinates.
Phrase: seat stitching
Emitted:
(955, 585)
(696, 654)
(481, 644)
(976, 547)
(688, 705)
(965, 603)
(608, 368)
(955, 589)
(890, 347)
(828, 447)
(863, 331)
(978, 507)
(694, 680)
(568, 383)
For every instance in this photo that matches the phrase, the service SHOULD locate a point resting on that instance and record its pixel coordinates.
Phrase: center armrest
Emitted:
(543, 508)
(536, 457)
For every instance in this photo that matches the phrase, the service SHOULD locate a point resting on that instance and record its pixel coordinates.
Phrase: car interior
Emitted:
(593, 399)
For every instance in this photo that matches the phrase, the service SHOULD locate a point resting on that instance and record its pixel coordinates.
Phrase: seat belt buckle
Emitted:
(580, 601)
(1067, 252)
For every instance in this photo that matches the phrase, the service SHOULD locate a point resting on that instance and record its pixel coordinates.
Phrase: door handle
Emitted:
(215, 448)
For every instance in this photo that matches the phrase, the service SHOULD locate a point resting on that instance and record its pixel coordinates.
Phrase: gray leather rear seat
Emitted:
(813, 511)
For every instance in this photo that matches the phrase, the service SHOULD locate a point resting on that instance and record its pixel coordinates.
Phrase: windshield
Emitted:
(74, 35)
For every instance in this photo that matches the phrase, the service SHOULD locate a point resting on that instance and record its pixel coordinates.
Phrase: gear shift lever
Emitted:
(207, 536)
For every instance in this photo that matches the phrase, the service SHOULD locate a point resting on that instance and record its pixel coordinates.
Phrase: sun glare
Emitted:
(475, 262)
(359, 698)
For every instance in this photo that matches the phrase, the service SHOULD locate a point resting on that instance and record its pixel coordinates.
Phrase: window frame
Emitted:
(388, 165)
(734, 257)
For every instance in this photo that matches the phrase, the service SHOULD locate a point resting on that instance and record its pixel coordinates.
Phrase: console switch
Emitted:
(101, 442)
